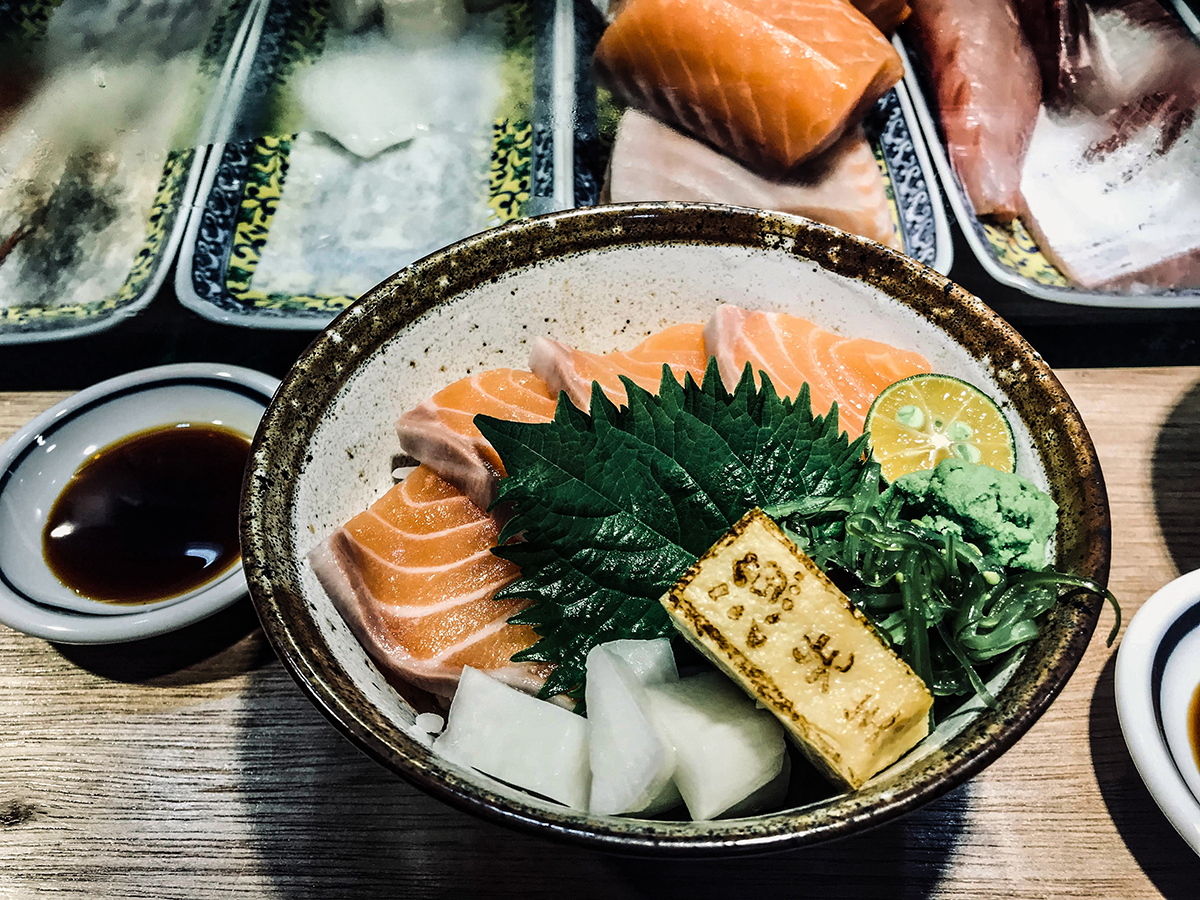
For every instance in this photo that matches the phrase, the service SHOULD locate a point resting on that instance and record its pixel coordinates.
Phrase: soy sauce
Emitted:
(1194, 723)
(152, 516)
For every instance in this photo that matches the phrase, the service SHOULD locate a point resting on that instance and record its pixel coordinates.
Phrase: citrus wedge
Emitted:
(921, 420)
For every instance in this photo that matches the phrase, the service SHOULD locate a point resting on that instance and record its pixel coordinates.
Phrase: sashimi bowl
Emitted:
(602, 279)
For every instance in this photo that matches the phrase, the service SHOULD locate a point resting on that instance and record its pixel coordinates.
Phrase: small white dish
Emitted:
(1158, 672)
(37, 462)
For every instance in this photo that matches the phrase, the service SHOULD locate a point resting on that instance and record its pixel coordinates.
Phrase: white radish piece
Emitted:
(770, 796)
(517, 738)
(652, 661)
(430, 723)
(726, 748)
(631, 764)
(668, 798)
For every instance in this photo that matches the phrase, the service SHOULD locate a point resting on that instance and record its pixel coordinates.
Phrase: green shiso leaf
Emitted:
(614, 506)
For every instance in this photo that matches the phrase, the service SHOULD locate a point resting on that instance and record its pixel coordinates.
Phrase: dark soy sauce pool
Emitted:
(1194, 724)
(152, 516)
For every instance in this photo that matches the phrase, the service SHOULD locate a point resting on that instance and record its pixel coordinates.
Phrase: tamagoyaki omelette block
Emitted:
(772, 620)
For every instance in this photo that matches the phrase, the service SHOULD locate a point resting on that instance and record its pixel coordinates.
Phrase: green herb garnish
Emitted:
(946, 606)
(615, 506)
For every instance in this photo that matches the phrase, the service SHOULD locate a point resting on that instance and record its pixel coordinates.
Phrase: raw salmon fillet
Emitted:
(770, 82)
(564, 368)
(440, 432)
(988, 93)
(843, 187)
(414, 578)
(793, 351)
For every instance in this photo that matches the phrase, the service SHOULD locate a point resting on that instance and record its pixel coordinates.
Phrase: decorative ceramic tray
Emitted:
(272, 248)
(95, 244)
(248, 259)
(912, 191)
(1009, 253)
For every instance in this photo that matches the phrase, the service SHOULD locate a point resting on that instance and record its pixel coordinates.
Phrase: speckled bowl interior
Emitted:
(601, 279)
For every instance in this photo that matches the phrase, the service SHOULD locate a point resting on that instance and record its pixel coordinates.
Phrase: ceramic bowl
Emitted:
(37, 462)
(601, 279)
(1157, 677)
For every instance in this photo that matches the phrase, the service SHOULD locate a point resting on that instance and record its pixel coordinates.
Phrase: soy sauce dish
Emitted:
(119, 505)
(1158, 700)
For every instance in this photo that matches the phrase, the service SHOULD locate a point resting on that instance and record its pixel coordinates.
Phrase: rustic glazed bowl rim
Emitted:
(278, 453)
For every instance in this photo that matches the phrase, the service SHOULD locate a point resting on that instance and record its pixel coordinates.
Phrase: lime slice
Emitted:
(921, 420)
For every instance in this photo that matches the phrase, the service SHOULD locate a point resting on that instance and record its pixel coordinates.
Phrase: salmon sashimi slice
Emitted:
(440, 432)
(564, 368)
(793, 352)
(770, 82)
(415, 579)
(843, 187)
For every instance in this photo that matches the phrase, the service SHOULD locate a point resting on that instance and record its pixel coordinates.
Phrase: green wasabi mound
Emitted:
(1002, 513)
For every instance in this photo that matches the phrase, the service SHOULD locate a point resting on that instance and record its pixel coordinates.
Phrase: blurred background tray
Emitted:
(101, 193)
(225, 271)
(165, 331)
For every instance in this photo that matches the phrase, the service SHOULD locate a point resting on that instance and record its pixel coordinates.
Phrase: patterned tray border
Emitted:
(911, 190)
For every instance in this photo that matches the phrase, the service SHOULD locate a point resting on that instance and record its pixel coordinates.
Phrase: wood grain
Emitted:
(191, 766)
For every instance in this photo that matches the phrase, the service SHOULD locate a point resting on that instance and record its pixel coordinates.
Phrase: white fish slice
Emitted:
(843, 187)
(1129, 218)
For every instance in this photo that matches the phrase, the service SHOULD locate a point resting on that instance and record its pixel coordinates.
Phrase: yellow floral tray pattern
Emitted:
(508, 190)
(1015, 249)
(888, 190)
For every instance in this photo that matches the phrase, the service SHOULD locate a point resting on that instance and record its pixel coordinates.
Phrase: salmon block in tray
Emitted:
(842, 187)
(770, 82)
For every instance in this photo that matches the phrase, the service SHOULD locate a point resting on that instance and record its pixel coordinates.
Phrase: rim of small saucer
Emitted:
(1152, 636)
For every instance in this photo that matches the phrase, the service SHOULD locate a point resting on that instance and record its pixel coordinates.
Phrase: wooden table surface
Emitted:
(191, 766)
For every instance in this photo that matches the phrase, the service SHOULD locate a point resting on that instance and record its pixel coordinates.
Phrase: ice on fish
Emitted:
(770, 82)
(407, 202)
(369, 94)
(80, 166)
(417, 122)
